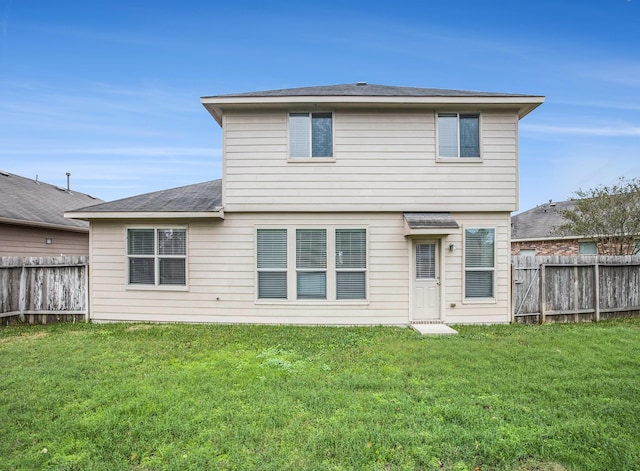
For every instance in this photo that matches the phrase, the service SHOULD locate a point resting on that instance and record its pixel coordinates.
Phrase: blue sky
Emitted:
(110, 90)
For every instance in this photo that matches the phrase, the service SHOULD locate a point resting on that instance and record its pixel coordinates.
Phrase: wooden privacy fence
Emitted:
(43, 289)
(573, 289)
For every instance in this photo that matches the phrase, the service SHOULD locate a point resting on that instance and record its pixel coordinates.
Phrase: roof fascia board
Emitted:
(432, 231)
(409, 100)
(43, 225)
(144, 215)
(524, 104)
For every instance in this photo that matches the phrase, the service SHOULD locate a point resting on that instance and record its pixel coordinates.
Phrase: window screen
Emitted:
(310, 135)
(458, 135)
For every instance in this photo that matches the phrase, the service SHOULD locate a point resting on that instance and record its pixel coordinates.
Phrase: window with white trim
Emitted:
(325, 265)
(272, 263)
(351, 264)
(458, 135)
(311, 263)
(157, 256)
(310, 135)
(479, 263)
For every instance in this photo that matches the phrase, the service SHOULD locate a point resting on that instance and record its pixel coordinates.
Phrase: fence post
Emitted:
(513, 292)
(543, 292)
(86, 292)
(596, 290)
(576, 303)
(22, 293)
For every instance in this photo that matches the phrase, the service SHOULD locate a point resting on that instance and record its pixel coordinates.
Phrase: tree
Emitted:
(608, 215)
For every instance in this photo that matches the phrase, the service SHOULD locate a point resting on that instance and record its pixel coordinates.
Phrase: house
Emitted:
(536, 232)
(346, 204)
(32, 222)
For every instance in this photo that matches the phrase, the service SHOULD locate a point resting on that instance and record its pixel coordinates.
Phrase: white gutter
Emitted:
(144, 215)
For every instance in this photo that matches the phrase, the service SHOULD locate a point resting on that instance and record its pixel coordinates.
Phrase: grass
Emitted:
(180, 397)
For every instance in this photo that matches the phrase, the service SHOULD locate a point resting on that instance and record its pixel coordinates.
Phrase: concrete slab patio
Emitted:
(433, 329)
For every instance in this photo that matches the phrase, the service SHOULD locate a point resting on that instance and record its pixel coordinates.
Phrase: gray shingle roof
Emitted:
(206, 196)
(31, 202)
(430, 220)
(356, 89)
(540, 222)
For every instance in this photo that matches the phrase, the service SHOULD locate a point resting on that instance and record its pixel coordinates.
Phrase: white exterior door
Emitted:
(426, 281)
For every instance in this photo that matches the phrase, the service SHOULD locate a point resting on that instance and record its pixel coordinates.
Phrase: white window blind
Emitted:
(311, 263)
(425, 261)
(448, 135)
(479, 263)
(272, 263)
(299, 135)
(458, 135)
(157, 256)
(310, 135)
(351, 263)
(329, 264)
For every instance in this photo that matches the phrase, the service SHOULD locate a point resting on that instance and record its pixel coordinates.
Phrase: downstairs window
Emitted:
(479, 263)
(157, 256)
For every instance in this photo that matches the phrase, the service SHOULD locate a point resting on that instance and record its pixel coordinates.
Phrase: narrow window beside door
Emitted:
(479, 263)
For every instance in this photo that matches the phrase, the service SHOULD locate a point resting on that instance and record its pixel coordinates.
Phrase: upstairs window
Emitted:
(157, 256)
(458, 135)
(310, 135)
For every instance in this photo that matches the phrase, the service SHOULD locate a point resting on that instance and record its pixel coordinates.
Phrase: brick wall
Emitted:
(547, 247)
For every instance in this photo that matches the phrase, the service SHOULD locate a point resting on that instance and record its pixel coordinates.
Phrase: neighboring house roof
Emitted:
(541, 222)
(30, 202)
(362, 92)
(197, 200)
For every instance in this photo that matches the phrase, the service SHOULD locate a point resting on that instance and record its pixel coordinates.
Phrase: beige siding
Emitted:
(25, 241)
(383, 161)
(222, 274)
(465, 312)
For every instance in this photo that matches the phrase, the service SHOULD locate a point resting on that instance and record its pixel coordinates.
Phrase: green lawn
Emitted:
(201, 397)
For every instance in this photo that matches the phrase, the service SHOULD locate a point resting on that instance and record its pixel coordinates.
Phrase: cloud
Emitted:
(120, 151)
(602, 131)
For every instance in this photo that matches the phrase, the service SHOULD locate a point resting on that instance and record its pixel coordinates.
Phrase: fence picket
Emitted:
(43, 289)
(576, 288)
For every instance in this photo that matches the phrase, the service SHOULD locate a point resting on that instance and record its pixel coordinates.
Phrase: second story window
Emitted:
(458, 135)
(310, 135)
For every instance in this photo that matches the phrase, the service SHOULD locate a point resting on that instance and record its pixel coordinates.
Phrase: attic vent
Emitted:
(4, 174)
(361, 83)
